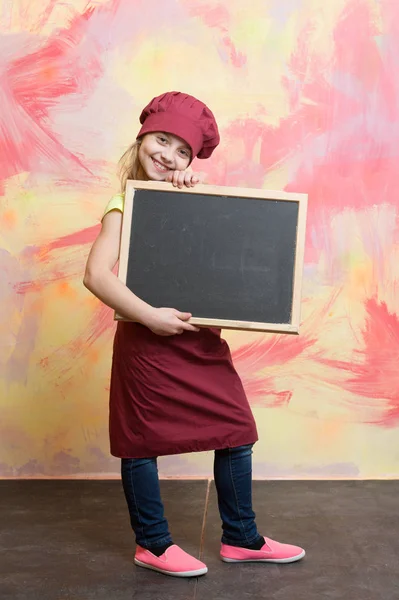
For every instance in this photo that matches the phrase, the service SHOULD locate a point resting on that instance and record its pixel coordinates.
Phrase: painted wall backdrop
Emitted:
(306, 94)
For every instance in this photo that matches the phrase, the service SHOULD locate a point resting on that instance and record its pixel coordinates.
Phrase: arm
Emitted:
(100, 279)
(104, 284)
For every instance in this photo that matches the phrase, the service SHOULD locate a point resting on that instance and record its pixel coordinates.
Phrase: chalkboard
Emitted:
(232, 257)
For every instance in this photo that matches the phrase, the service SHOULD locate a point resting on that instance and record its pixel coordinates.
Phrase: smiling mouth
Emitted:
(159, 166)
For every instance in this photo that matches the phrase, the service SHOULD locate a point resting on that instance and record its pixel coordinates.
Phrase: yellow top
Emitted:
(117, 202)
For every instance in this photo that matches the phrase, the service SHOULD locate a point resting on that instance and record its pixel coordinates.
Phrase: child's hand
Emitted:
(168, 321)
(182, 178)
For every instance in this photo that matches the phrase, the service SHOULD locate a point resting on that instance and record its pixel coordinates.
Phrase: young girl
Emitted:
(174, 388)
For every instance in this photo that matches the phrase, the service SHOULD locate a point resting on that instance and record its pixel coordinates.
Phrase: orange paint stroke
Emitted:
(65, 290)
(8, 219)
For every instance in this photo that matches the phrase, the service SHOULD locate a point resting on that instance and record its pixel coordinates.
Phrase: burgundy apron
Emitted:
(175, 394)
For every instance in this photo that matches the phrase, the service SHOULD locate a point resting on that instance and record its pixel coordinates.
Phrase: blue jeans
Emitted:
(233, 480)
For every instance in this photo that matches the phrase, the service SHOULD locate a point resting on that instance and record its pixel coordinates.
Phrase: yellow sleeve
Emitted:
(117, 202)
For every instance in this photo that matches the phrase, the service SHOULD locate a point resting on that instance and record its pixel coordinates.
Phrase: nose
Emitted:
(167, 154)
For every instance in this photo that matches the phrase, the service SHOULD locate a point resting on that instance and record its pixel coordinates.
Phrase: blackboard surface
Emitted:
(215, 256)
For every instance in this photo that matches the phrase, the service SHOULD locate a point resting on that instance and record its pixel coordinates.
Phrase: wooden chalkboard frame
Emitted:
(301, 199)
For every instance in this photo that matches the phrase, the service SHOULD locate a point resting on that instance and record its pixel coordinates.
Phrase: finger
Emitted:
(176, 178)
(194, 180)
(187, 179)
(181, 178)
(169, 176)
(188, 327)
(183, 316)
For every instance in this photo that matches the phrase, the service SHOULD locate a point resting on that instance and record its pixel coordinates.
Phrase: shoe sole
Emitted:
(267, 560)
(195, 573)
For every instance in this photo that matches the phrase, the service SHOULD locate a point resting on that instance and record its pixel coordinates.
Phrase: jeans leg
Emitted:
(143, 496)
(233, 480)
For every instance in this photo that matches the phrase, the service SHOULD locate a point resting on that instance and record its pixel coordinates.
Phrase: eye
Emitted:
(184, 152)
(162, 139)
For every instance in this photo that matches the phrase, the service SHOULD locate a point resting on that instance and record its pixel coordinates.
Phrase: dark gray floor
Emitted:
(64, 540)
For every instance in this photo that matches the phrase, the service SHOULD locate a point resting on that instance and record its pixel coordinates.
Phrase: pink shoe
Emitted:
(174, 561)
(272, 551)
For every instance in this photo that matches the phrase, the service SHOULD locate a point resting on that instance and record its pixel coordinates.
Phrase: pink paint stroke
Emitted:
(348, 128)
(31, 86)
(43, 256)
(374, 374)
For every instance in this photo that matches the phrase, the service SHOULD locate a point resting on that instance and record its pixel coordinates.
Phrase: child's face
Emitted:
(160, 153)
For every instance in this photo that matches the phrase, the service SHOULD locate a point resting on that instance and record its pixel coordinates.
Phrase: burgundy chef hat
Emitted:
(184, 116)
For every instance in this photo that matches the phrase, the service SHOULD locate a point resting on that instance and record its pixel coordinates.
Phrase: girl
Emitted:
(173, 385)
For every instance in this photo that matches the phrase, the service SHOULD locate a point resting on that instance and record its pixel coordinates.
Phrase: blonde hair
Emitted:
(129, 166)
